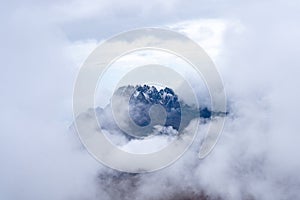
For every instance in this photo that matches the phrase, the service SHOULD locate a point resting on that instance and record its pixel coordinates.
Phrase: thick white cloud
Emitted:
(256, 52)
(40, 157)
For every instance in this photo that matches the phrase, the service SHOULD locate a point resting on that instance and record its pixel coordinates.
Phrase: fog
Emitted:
(256, 50)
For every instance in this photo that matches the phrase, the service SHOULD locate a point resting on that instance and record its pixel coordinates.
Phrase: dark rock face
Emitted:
(142, 98)
(205, 113)
(145, 96)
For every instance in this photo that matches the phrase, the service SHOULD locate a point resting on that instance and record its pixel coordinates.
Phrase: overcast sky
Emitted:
(254, 44)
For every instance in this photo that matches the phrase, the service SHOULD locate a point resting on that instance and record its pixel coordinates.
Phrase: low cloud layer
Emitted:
(256, 156)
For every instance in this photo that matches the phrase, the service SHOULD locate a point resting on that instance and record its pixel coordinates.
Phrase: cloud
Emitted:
(255, 157)
(40, 157)
(257, 56)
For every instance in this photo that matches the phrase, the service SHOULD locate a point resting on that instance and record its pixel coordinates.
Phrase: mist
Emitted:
(255, 48)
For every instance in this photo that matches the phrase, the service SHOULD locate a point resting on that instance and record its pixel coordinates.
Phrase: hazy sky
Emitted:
(254, 44)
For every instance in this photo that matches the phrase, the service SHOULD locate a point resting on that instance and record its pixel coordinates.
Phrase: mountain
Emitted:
(142, 98)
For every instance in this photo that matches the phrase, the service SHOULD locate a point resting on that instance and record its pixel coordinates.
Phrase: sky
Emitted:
(254, 45)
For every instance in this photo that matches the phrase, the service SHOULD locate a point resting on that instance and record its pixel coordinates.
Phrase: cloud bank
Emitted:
(256, 157)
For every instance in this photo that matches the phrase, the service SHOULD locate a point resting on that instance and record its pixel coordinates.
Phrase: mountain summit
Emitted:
(144, 97)
(140, 100)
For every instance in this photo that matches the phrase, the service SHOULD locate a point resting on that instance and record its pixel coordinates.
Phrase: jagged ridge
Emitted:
(145, 96)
